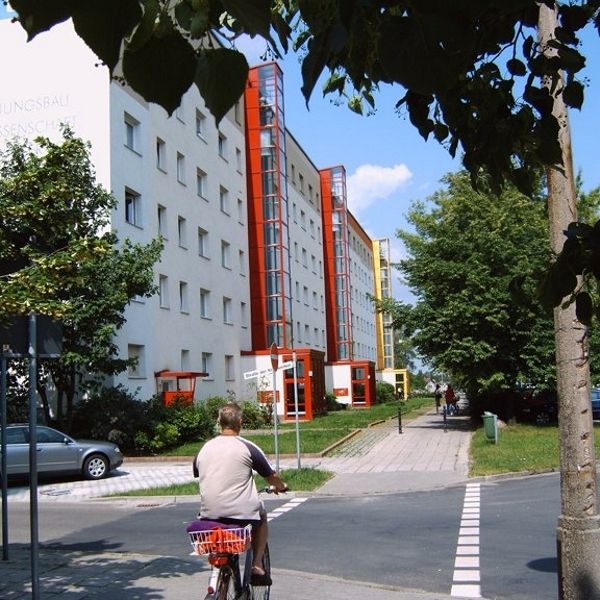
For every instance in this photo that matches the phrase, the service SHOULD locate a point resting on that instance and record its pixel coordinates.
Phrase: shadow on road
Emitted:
(545, 565)
(69, 570)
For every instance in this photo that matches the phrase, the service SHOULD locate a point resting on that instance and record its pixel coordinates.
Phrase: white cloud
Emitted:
(370, 183)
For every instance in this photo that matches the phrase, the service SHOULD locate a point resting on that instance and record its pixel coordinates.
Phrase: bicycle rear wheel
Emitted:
(228, 584)
(262, 592)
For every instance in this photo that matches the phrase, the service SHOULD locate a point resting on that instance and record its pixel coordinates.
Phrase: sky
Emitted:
(388, 164)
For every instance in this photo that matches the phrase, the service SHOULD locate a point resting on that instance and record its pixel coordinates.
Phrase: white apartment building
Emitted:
(180, 177)
(259, 246)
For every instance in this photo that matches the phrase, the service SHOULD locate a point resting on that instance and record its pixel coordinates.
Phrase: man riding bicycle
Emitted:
(228, 493)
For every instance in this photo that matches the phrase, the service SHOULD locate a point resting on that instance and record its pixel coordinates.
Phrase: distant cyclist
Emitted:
(228, 493)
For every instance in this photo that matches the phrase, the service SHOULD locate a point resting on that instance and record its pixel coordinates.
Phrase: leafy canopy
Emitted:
(58, 258)
(466, 249)
(472, 70)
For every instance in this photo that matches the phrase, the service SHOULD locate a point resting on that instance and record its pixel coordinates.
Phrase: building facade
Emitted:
(259, 245)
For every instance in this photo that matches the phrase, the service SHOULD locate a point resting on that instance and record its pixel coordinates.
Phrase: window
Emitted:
(307, 334)
(133, 208)
(315, 300)
(293, 174)
(180, 168)
(303, 220)
(224, 200)
(296, 251)
(205, 304)
(200, 124)
(182, 232)
(225, 254)
(185, 360)
(227, 310)
(238, 160)
(179, 113)
(201, 183)
(243, 314)
(301, 182)
(207, 362)
(203, 243)
(242, 260)
(162, 220)
(135, 353)
(304, 257)
(132, 132)
(222, 145)
(297, 291)
(229, 368)
(312, 228)
(313, 263)
(305, 295)
(298, 331)
(240, 210)
(310, 193)
(237, 112)
(183, 297)
(163, 291)
(161, 155)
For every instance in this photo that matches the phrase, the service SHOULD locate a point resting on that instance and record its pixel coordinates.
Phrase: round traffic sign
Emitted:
(274, 356)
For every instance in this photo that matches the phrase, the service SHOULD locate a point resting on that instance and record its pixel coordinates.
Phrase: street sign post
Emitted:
(274, 363)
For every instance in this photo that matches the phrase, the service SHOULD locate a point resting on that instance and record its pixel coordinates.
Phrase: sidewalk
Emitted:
(426, 455)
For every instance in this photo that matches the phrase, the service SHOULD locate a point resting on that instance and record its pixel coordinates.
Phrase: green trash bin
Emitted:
(490, 426)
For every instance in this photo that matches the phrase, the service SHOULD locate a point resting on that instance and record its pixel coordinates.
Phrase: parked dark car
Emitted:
(538, 406)
(59, 454)
(596, 404)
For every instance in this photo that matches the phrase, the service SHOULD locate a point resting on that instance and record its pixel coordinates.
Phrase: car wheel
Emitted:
(95, 467)
(542, 418)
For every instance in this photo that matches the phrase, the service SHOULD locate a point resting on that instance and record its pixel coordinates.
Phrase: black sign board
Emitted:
(14, 336)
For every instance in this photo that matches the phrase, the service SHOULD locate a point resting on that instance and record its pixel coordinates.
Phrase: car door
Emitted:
(56, 452)
(17, 451)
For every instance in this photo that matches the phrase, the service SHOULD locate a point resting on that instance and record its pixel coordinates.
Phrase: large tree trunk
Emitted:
(578, 531)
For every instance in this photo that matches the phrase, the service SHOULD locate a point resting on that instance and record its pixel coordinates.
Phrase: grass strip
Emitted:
(298, 480)
(521, 448)
(321, 432)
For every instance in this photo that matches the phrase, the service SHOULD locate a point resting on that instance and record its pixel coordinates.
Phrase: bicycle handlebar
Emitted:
(271, 489)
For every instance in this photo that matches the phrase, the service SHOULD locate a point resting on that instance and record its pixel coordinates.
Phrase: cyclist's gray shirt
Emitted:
(227, 489)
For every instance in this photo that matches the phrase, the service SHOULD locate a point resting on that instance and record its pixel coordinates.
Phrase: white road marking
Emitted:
(280, 510)
(466, 576)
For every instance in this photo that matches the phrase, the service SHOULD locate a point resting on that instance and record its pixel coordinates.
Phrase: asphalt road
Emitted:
(406, 540)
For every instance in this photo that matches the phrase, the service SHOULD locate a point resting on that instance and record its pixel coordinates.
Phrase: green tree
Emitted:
(57, 258)
(466, 249)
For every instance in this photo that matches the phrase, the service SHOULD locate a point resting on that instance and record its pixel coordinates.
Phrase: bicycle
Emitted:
(223, 544)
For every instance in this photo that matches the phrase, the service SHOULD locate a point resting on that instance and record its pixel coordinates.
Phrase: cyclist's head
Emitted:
(230, 417)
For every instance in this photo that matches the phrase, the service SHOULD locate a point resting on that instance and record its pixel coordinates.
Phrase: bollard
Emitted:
(399, 419)
(445, 420)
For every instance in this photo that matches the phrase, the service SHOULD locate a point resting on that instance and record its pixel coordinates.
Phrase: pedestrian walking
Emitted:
(450, 398)
(437, 394)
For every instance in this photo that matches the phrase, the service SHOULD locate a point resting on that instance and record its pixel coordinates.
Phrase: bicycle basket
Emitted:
(221, 541)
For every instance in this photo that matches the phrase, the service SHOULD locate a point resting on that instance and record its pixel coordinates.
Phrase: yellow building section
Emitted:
(400, 379)
(383, 289)
(378, 315)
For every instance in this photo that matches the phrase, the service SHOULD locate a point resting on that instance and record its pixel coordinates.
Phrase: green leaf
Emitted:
(584, 308)
(254, 15)
(162, 70)
(146, 26)
(573, 94)
(516, 67)
(221, 92)
(41, 15)
(102, 24)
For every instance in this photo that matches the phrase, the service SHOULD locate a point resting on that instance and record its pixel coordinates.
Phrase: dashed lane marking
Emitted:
(466, 578)
(280, 510)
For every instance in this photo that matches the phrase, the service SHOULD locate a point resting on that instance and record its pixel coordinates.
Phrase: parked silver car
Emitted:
(59, 454)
